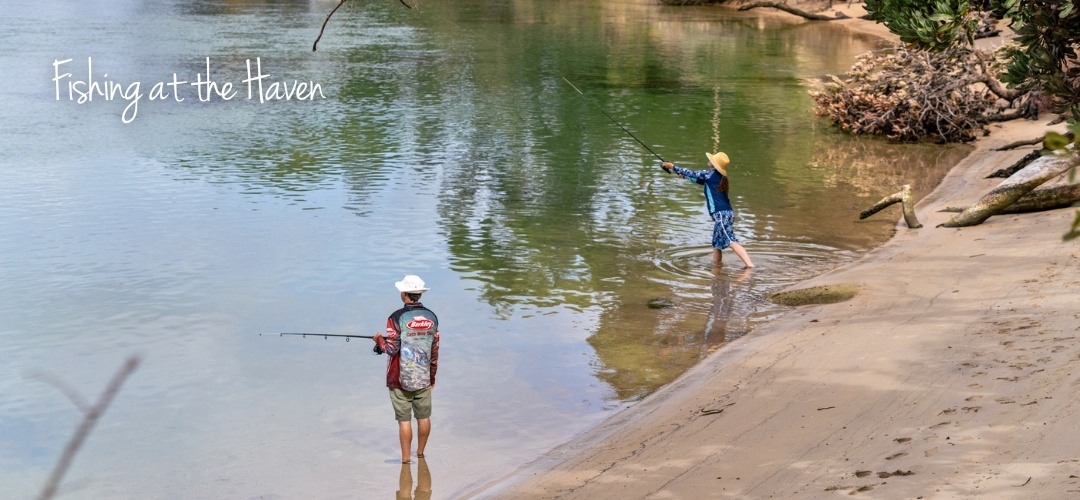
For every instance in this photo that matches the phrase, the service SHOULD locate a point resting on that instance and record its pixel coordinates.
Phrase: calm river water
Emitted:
(441, 141)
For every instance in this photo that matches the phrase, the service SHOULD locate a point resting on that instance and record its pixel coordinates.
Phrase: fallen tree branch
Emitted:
(904, 198)
(1005, 117)
(1031, 142)
(1017, 144)
(997, 88)
(792, 10)
(1038, 200)
(1015, 187)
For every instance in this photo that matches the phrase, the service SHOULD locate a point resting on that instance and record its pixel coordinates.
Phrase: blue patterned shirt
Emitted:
(711, 179)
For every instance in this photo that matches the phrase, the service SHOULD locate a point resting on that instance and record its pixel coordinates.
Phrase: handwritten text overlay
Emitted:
(258, 85)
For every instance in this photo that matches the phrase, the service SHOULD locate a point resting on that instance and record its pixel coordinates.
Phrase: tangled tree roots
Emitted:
(905, 95)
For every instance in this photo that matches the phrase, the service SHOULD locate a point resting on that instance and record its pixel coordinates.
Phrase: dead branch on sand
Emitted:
(792, 10)
(1008, 192)
(904, 198)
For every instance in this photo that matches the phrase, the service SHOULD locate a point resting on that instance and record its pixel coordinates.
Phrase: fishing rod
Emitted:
(327, 335)
(615, 122)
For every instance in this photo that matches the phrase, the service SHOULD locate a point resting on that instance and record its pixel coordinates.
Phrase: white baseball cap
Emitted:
(411, 284)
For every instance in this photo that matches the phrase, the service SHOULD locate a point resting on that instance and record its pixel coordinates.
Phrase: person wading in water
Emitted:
(412, 342)
(715, 180)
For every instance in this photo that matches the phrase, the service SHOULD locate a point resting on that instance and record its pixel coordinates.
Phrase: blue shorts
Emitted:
(723, 235)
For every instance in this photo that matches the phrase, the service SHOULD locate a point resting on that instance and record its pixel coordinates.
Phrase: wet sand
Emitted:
(953, 372)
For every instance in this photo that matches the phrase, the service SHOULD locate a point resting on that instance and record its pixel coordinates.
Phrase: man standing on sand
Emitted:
(412, 342)
(715, 180)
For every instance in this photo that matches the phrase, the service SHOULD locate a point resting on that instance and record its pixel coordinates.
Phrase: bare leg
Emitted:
(717, 257)
(741, 252)
(405, 437)
(423, 427)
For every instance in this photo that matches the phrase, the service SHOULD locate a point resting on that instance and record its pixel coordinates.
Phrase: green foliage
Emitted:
(1075, 231)
(1074, 128)
(934, 25)
(1048, 34)
(1055, 141)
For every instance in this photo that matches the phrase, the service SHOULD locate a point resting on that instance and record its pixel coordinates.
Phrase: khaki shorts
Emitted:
(406, 403)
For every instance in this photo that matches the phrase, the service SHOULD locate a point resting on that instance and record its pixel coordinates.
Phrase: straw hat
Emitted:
(719, 161)
(411, 284)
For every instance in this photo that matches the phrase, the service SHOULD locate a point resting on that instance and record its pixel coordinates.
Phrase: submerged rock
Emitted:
(826, 294)
(660, 303)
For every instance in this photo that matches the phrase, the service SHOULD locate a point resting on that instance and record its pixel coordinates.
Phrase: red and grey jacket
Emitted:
(412, 342)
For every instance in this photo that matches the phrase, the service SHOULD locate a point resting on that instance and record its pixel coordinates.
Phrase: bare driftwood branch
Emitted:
(1006, 117)
(1038, 200)
(904, 198)
(90, 417)
(1017, 144)
(1013, 188)
(1031, 142)
(997, 88)
(792, 10)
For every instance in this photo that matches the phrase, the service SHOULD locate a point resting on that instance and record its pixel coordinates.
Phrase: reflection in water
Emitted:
(423, 483)
(722, 326)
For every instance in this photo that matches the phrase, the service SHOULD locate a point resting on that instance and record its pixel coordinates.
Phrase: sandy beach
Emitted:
(953, 372)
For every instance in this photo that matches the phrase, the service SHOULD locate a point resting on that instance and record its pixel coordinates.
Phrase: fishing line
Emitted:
(613, 121)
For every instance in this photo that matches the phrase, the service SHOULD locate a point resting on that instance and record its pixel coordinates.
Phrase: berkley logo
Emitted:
(420, 324)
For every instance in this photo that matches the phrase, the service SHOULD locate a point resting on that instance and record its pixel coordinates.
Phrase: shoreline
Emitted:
(951, 373)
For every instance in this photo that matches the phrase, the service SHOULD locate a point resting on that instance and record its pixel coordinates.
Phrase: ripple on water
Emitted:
(734, 298)
(778, 263)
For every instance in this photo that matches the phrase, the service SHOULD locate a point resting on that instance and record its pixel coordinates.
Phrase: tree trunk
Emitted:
(1038, 200)
(904, 198)
(1013, 188)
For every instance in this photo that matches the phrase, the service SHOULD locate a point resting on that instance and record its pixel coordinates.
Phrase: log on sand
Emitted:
(792, 10)
(1023, 182)
(904, 198)
(1039, 199)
